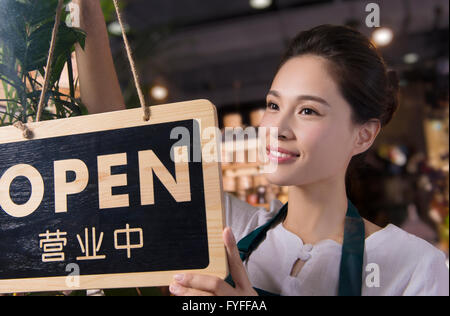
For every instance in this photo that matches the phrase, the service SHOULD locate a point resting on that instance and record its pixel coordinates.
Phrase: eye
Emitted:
(308, 111)
(272, 106)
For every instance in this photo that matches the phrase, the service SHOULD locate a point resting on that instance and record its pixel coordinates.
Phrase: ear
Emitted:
(366, 135)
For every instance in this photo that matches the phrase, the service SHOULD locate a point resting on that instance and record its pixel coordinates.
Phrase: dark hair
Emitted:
(357, 67)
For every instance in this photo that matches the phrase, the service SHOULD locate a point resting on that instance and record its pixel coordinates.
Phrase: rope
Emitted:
(145, 108)
(26, 132)
(49, 60)
(20, 125)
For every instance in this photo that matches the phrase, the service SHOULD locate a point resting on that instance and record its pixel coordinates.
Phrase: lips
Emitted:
(281, 155)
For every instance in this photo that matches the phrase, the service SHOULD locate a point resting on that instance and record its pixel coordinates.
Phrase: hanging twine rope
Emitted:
(48, 68)
(145, 108)
(26, 132)
(20, 125)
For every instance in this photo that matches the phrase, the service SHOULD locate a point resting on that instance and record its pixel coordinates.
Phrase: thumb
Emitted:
(237, 269)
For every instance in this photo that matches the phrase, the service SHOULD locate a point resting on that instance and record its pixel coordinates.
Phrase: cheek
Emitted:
(325, 146)
(314, 138)
(266, 120)
(324, 154)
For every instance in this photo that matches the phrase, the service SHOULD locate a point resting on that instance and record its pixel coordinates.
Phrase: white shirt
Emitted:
(395, 262)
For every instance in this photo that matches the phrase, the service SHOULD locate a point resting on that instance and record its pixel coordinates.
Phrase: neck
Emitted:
(317, 211)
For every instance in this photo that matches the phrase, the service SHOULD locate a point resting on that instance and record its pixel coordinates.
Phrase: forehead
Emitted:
(306, 74)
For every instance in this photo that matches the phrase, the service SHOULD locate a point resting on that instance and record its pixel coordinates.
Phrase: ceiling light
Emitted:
(159, 92)
(411, 58)
(382, 36)
(260, 4)
(114, 28)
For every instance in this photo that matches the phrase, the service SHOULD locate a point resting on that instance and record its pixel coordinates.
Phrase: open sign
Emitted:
(114, 195)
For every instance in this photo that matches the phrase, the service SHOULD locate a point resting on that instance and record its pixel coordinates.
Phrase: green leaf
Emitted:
(9, 76)
(25, 33)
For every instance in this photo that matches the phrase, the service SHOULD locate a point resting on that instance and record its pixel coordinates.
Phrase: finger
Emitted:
(180, 290)
(237, 269)
(201, 282)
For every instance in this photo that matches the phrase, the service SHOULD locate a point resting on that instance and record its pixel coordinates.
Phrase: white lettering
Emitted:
(106, 181)
(64, 188)
(37, 190)
(73, 18)
(373, 18)
(73, 279)
(179, 188)
(373, 278)
(246, 305)
(193, 306)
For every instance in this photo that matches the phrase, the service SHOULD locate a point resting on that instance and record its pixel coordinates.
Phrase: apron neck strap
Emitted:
(351, 267)
(352, 259)
(250, 242)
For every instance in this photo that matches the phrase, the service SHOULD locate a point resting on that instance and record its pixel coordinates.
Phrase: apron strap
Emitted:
(250, 242)
(351, 267)
(352, 259)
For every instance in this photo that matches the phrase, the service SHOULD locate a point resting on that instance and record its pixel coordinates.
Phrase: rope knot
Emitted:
(27, 134)
(146, 116)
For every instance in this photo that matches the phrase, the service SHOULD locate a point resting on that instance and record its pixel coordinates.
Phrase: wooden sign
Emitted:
(111, 201)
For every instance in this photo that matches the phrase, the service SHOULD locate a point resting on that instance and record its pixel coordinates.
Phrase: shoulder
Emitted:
(243, 218)
(414, 265)
(393, 238)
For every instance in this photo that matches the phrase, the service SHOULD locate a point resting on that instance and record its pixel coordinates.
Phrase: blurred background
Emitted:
(228, 52)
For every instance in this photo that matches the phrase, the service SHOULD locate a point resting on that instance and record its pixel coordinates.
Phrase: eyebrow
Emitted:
(303, 97)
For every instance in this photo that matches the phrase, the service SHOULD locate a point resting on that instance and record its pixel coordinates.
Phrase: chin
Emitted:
(285, 175)
(280, 178)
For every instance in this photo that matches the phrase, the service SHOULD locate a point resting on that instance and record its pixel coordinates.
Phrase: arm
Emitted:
(99, 86)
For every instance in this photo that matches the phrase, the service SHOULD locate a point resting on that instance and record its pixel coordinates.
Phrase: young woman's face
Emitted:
(316, 135)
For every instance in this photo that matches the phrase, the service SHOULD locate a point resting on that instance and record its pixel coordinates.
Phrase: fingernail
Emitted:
(178, 277)
(174, 288)
(231, 238)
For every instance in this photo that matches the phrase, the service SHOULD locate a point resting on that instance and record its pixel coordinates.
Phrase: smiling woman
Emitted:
(329, 99)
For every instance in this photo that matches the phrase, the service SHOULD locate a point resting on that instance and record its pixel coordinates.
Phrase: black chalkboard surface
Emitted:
(100, 238)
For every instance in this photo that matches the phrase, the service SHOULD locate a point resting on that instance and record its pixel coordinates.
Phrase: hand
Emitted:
(190, 284)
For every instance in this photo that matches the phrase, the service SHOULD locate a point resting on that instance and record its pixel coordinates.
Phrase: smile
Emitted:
(280, 155)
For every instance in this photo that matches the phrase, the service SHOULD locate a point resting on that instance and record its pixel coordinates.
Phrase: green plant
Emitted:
(109, 12)
(25, 32)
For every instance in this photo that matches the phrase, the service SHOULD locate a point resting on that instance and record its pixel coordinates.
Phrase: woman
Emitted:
(329, 100)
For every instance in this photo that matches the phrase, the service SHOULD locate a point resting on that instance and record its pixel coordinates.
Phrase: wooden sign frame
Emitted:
(202, 111)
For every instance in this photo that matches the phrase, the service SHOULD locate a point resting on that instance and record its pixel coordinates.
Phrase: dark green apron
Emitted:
(351, 268)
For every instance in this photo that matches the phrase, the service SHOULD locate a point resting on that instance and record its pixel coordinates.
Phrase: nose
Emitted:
(279, 130)
(285, 134)
(278, 126)
(284, 128)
